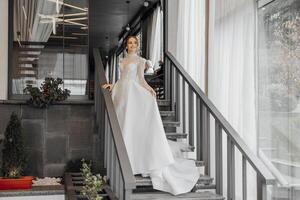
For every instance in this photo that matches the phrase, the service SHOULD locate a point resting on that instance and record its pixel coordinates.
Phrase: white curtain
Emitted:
(4, 49)
(155, 37)
(42, 31)
(187, 36)
(114, 67)
(27, 19)
(231, 84)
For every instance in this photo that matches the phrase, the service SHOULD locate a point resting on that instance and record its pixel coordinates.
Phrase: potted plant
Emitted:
(48, 93)
(91, 183)
(14, 158)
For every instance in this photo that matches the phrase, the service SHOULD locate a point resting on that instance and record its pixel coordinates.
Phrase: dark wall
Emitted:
(55, 135)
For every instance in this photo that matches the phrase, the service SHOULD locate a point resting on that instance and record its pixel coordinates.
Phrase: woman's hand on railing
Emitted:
(107, 86)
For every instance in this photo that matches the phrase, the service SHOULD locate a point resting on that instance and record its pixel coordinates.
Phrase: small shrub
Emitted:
(48, 93)
(13, 154)
(92, 183)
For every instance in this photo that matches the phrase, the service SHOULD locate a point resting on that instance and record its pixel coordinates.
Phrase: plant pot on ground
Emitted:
(14, 158)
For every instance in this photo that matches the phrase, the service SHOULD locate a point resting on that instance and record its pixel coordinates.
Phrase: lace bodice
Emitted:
(132, 67)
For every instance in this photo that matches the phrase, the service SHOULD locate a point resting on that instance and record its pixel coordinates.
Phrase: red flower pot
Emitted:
(24, 182)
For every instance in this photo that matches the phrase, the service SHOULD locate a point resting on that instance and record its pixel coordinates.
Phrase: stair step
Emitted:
(171, 123)
(30, 49)
(32, 62)
(28, 56)
(189, 149)
(167, 113)
(163, 102)
(166, 196)
(26, 76)
(172, 135)
(199, 163)
(146, 181)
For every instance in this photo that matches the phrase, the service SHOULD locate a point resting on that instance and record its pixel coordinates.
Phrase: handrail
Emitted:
(116, 134)
(184, 93)
(234, 136)
(281, 179)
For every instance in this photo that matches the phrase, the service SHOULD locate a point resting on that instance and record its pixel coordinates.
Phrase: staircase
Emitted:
(183, 100)
(204, 189)
(26, 57)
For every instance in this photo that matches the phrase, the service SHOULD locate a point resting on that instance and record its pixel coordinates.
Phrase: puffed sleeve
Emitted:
(140, 74)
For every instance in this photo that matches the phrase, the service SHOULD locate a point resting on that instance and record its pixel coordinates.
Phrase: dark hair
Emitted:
(127, 39)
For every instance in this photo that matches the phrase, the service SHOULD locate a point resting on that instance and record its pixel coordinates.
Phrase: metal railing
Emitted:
(116, 160)
(192, 104)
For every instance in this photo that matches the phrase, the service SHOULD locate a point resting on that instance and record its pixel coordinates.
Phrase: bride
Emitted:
(149, 151)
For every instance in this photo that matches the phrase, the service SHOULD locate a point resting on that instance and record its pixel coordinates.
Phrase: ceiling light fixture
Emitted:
(146, 3)
(63, 37)
(77, 19)
(68, 5)
(128, 26)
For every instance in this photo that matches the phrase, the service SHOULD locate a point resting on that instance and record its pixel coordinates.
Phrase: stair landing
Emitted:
(166, 196)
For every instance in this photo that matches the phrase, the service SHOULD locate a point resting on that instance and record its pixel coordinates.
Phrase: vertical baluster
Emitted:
(205, 132)
(121, 187)
(127, 194)
(167, 79)
(230, 170)
(261, 188)
(191, 116)
(244, 178)
(106, 140)
(118, 177)
(198, 129)
(183, 107)
(113, 168)
(116, 72)
(96, 93)
(171, 83)
(219, 158)
(174, 91)
(178, 97)
(108, 152)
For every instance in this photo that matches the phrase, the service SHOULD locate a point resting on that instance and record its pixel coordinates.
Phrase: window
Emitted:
(278, 82)
(50, 39)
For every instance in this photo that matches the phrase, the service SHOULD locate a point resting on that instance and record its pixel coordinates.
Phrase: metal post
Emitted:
(219, 158)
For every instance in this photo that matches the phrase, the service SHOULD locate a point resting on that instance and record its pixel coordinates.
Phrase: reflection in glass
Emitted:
(50, 40)
(279, 88)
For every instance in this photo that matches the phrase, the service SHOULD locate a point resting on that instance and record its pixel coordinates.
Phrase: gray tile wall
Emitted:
(55, 135)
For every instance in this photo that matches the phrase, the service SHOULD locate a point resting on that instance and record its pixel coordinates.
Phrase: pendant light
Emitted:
(128, 11)
(146, 3)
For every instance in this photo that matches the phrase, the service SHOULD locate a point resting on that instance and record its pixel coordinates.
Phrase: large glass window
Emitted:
(50, 39)
(278, 84)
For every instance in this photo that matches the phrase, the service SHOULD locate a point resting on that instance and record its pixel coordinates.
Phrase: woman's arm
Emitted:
(141, 78)
(110, 86)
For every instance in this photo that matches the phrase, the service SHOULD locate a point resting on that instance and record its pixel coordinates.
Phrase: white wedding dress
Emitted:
(148, 149)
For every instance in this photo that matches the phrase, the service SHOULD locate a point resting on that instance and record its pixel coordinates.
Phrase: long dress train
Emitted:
(148, 149)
